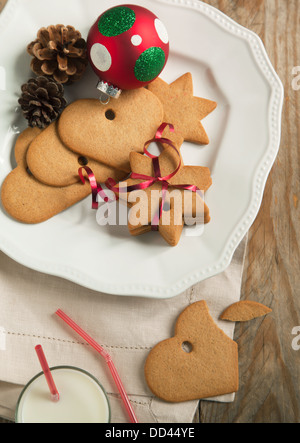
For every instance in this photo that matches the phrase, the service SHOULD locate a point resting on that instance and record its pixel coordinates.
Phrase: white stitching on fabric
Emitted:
(118, 397)
(132, 348)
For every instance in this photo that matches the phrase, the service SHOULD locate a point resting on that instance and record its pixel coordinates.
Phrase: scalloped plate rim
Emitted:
(239, 231)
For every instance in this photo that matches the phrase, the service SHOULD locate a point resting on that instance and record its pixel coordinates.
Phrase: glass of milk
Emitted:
(82, 399)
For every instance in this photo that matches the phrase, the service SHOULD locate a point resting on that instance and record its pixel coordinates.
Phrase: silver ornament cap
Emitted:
(108, 91)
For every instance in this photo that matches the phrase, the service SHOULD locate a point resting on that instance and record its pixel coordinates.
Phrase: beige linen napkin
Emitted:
(127, 327)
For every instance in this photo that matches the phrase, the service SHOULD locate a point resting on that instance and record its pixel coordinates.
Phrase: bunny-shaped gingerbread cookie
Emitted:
(108, 133)
(52, 163)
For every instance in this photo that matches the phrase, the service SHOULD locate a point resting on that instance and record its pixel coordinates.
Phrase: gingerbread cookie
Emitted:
(180, 206)
(108, 133)
(199, 362)
(52, 163)
(183, 110)
(245, 311)
(23, 141)
(26, 199)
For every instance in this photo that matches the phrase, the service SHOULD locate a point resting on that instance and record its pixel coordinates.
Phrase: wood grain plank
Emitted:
(269, 367)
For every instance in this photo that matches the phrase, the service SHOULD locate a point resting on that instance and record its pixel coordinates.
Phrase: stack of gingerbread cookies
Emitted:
(110, 140)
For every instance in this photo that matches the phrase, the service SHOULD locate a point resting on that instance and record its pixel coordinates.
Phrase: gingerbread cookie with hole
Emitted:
(29, 201)
(52, 163)
(109, 133)
(199, 362)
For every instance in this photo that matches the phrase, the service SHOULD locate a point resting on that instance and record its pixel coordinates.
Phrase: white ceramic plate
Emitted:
(229, 65)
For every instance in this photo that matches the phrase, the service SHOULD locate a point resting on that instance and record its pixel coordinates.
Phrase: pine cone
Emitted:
(41, 101)
(60, 52)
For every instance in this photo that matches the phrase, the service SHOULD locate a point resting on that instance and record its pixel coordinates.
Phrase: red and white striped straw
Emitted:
(107, 358)
(44, 364)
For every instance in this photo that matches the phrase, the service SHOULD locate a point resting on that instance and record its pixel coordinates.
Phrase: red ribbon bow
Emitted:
(148, 180)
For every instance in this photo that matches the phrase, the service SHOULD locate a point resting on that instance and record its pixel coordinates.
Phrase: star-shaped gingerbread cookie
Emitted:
(180, 206)
(183, 109)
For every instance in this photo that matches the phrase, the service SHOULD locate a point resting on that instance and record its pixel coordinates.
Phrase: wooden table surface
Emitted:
(269, 364)
(269, 359)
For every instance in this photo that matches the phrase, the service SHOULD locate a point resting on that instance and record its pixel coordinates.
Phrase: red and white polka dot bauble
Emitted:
(128, 47)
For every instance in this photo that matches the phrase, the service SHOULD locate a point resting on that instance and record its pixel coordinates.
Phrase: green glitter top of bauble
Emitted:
(116, 21)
